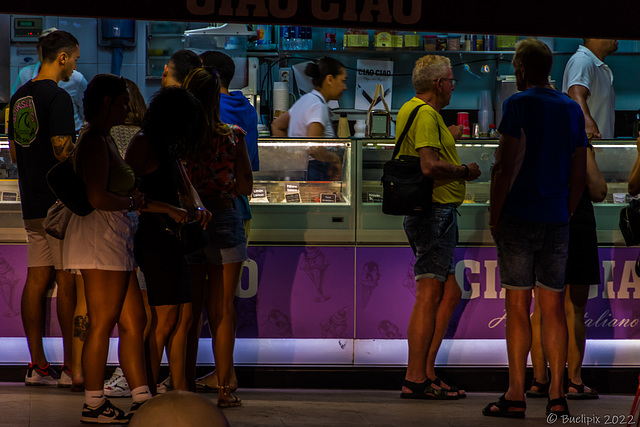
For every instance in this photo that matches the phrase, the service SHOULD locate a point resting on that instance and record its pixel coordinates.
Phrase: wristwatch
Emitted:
(132, 204)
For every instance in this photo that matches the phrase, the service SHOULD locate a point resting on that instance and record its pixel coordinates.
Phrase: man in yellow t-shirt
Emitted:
(429, 130)
(433, 236)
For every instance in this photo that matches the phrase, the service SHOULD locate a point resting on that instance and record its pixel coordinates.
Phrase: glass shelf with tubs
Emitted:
(303, 191)
(615, 159)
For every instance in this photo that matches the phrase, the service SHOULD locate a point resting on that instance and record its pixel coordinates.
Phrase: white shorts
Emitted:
(101, 240)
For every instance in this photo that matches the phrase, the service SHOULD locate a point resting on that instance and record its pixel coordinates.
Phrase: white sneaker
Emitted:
(40, 376)
(117, 385)
(165, 386)
(65, 379)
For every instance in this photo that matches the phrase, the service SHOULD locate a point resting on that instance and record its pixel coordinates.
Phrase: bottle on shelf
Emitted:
(493, 132)
(296, 38)
(308, 38)
(343, 126)
(285, 35)
(466, 44)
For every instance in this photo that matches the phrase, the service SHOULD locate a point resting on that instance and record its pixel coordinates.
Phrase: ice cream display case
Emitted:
(303, 192)
(11, 224)
(615, 159)
(374, 227)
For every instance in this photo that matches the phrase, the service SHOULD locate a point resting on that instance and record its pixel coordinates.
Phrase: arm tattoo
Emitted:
(434, 149)
(61, 145)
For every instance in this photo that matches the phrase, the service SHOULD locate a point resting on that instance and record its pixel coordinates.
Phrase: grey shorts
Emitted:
(532, 253)
(433, 238)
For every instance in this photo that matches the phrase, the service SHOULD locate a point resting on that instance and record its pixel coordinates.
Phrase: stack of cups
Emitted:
(485, 113)
(280, 98)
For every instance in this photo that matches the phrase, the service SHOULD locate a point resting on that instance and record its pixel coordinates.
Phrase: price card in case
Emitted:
(292, 197)
(292, 188)
(328, 197)
(259, 195)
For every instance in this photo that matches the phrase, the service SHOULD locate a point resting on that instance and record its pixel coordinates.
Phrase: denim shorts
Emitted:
(433, 238)
(227, 241)
(532, 253)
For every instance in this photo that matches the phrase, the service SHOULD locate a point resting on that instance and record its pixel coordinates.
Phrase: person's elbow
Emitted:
(245, 188)
(633, 187)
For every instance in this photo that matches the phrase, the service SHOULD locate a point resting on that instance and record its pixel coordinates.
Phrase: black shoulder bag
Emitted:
(405, 189)
(69, 188)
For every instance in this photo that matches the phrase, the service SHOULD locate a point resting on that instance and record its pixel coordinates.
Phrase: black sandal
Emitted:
(581, 394)
(504, 405)
(543, 389)
(451, 389)
(424, 391)
(556, 402)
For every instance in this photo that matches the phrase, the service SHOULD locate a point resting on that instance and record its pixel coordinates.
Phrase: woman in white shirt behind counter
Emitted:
(310, 116)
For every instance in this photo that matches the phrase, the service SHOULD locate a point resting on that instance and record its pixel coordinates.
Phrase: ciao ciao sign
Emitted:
(404, 12)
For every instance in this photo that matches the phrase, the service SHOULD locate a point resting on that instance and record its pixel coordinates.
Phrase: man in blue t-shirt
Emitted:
(536, 182)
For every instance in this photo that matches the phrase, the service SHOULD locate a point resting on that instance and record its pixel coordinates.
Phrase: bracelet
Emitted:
(466, 170)
(132, 204)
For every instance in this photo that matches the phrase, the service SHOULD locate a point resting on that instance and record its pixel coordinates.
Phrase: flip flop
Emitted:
(581, 394)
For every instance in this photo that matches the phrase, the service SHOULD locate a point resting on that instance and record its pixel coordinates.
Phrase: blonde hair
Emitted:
(428, 69)
(536, 59)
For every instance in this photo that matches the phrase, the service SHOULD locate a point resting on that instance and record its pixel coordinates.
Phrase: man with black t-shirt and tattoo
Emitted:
(42, 133)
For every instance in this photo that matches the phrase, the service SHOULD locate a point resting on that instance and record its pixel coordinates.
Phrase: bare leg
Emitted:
(177, 347)
(66, 304)
(450, 299)
(131, 325)
(80, 323)
(421, 329)
(554, 337)
(538, 359)
(198, 275)
(165, 319)
(33, 310)
(575, 302)
(223, 281)
(105, 292)
(518, 329)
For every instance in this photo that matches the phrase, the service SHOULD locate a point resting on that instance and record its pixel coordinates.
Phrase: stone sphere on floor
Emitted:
(179, 409)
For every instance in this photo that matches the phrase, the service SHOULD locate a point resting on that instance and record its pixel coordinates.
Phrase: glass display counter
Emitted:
(303, 192)
(614, 157)
(11, 224)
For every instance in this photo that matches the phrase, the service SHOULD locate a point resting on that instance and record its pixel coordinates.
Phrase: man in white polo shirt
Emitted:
(589, 82)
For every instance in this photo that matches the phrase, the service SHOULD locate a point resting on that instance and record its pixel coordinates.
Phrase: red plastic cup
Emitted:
(463, 119)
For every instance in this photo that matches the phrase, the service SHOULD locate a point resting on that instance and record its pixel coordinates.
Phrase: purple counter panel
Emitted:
(348, 295)
(385, 292)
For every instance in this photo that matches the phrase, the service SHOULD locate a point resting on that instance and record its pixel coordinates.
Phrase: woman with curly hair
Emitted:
(219, 168)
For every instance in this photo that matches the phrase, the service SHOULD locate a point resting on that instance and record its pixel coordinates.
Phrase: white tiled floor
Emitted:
(50, 406)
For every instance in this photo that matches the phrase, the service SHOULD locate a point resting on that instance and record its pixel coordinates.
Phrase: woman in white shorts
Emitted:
(100, 246)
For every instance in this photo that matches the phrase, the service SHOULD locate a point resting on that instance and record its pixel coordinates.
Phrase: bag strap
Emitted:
(410, 120)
